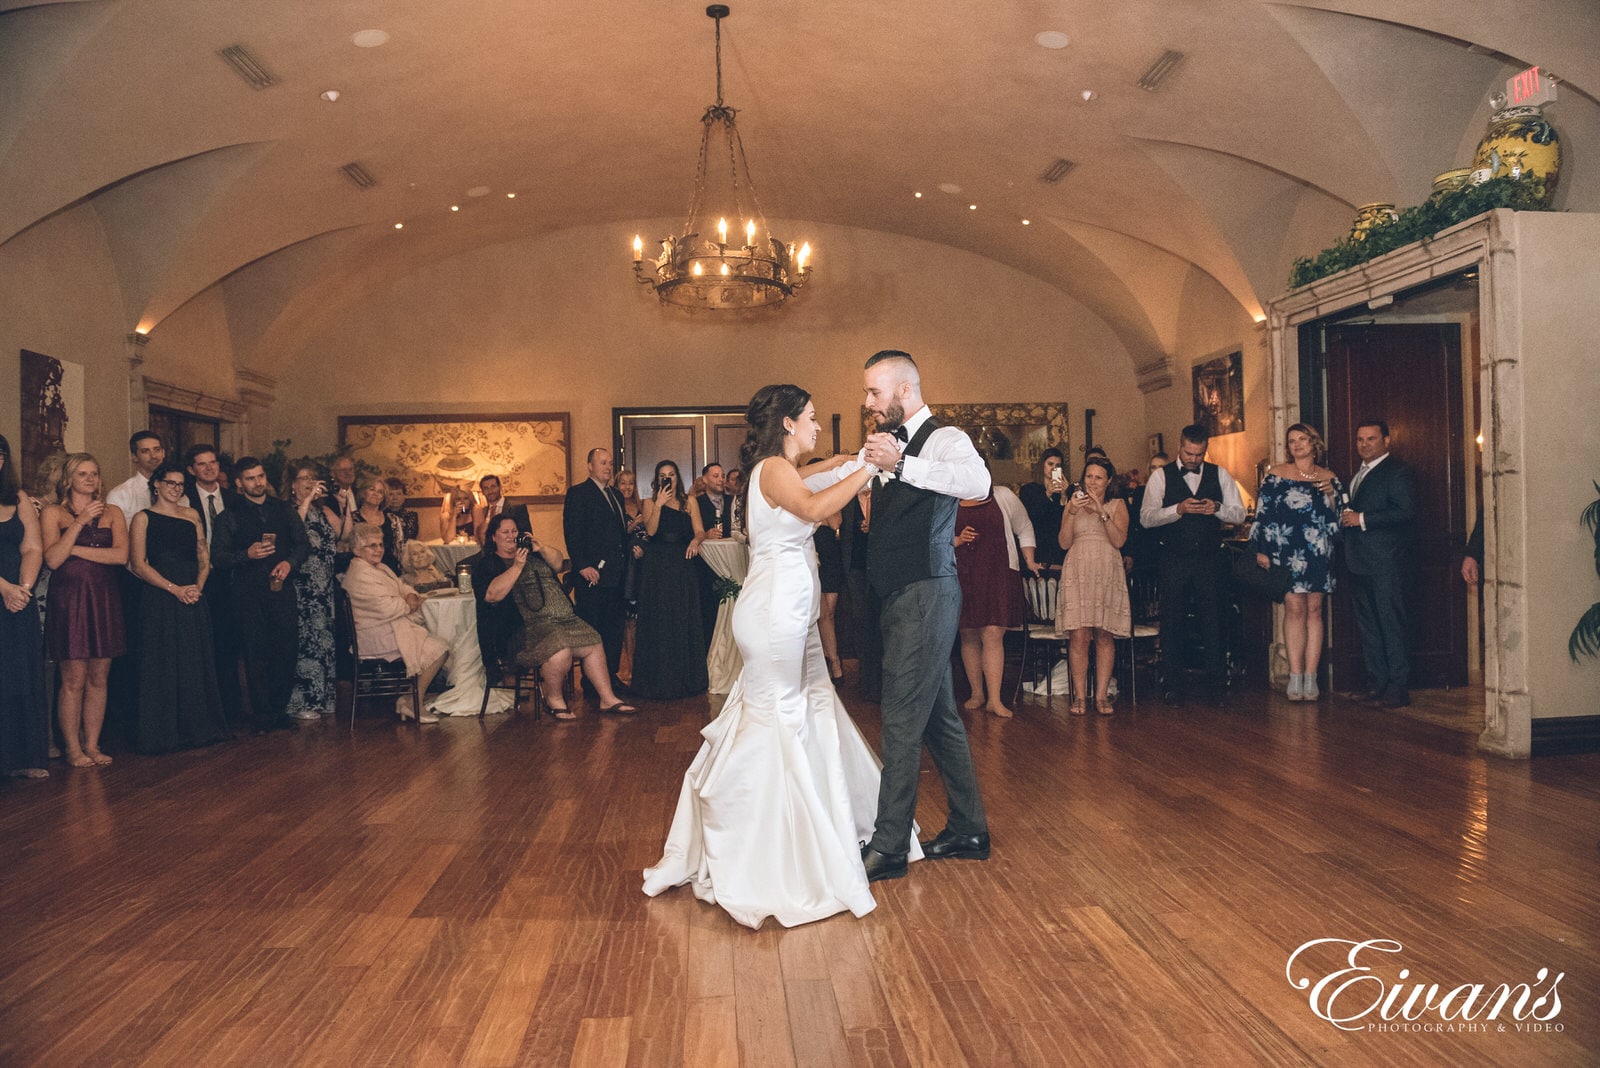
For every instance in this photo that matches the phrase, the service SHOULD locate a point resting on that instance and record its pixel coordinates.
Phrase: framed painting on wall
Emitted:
(1219, 394)
(52, 412)
(438, 454)
(1010, 436)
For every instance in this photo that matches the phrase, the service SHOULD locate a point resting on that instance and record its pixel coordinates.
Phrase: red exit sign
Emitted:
(1530, 89)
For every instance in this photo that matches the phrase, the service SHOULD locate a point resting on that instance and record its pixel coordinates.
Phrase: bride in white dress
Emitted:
(784, 790)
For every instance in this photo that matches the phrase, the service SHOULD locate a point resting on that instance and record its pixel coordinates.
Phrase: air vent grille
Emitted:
(1056, 171)
(359, 176)
(247, 66)
(1160, 70)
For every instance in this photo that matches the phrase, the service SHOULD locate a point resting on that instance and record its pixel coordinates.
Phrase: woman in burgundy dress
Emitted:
(987, 535)
(85, 542)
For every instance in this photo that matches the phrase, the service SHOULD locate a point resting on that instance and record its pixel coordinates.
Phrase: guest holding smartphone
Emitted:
(670, 655)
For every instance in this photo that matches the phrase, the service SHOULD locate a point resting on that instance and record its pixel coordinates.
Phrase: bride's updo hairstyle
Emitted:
(768, 409)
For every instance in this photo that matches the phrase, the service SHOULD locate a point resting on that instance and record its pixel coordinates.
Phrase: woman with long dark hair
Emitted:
(24, 722)
(313, 693)
(784, 788)
(180, 706)
(669, 654)
(85, 542)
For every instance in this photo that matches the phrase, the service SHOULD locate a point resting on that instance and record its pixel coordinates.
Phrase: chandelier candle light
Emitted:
(701, 273)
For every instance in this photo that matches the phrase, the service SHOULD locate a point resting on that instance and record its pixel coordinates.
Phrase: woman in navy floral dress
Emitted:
(313, 694)
(1297, 516)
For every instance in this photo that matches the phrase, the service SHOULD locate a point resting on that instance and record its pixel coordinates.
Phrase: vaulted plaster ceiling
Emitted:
(1280, 120)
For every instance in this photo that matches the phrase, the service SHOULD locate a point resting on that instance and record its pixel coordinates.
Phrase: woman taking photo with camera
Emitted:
(669, 657)
(531, 621)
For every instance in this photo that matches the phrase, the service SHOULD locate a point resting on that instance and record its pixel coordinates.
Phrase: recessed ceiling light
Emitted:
(917, 195)
(1027, 222)
(1088, 95)
(1052, 39)
(330, 95)
(949, 187)
(455, 207)
(399, 226)
(972, 207)
(511, 196)
(370, 38)
(478, 191)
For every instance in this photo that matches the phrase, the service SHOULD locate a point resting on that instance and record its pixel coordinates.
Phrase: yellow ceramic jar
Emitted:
(1370, 215)
(1519, 143)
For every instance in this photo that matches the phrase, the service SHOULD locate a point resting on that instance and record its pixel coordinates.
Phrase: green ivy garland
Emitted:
(1438, 212)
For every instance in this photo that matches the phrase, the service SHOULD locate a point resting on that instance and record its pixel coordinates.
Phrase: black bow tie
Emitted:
(1191, 470)
(900, 432)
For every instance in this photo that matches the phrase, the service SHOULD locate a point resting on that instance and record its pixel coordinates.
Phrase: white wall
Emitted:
(1558, 280)
(557, 323)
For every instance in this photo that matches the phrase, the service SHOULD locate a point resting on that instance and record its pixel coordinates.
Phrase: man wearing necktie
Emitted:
(596, 532)
(207, 497)
(494, 503)
(1377, 524)
(1185, 507)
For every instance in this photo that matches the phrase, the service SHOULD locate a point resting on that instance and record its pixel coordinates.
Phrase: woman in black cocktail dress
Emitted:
(180, 706)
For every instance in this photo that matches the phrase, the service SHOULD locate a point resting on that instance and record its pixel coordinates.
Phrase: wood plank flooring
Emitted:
(470, 895)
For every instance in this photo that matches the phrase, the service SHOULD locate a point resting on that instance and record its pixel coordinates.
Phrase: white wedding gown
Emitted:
(784, 788)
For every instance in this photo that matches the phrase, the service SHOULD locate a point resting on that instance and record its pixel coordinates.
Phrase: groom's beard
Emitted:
(893, 417)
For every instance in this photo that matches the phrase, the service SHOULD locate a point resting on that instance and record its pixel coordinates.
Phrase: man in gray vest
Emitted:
(1185, 505)
(927, 471)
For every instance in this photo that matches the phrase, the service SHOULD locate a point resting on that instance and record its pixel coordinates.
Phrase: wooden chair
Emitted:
(1144, 598)
(1039, 626)
(371, 677)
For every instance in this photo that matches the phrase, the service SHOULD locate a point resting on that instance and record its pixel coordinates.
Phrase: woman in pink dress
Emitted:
(1093, 598)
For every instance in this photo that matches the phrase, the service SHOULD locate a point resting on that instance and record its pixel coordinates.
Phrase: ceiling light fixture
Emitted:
(1052, 39)
(369, 38)
(330, 95)
(699, 273)
(1160, 70)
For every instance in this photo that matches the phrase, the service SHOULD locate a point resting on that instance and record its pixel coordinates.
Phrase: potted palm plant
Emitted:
(1586, 635)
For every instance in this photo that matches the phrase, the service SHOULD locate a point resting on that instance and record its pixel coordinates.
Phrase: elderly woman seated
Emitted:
(544, 634)
(421, 573)
(388, 617)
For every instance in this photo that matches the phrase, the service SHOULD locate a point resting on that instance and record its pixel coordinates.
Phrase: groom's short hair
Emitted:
(890, 354)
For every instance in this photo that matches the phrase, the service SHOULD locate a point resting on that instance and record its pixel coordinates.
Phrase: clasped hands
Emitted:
(16, 598)
(881, 451)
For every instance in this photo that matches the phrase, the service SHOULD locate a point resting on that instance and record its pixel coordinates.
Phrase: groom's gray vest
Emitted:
(912, 535)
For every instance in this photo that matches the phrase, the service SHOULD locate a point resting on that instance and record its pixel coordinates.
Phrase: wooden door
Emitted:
(1409, 375)
(690, 439)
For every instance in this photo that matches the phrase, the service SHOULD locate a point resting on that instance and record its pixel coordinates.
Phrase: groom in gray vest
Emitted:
(911, 564)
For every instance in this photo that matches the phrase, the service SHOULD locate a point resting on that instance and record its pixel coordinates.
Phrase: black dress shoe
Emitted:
(1368, 697)
(949, 845)
(1170, 695)
(882, 865)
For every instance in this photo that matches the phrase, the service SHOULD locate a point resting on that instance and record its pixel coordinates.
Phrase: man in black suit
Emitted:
(593, 522)
(258, 544)
(1377, 522)
(208, 497)
(716, 521)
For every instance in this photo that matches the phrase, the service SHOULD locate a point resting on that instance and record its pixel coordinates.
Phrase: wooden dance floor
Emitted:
(470, 895)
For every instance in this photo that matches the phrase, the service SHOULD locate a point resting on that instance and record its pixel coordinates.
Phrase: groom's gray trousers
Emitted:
(919, 623)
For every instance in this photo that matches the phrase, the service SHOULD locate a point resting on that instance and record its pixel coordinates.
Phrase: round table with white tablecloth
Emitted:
(447, 554)
(453, 619)
(729, 558)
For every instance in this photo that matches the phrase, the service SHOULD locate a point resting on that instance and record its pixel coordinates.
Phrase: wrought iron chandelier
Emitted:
(698, 271)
